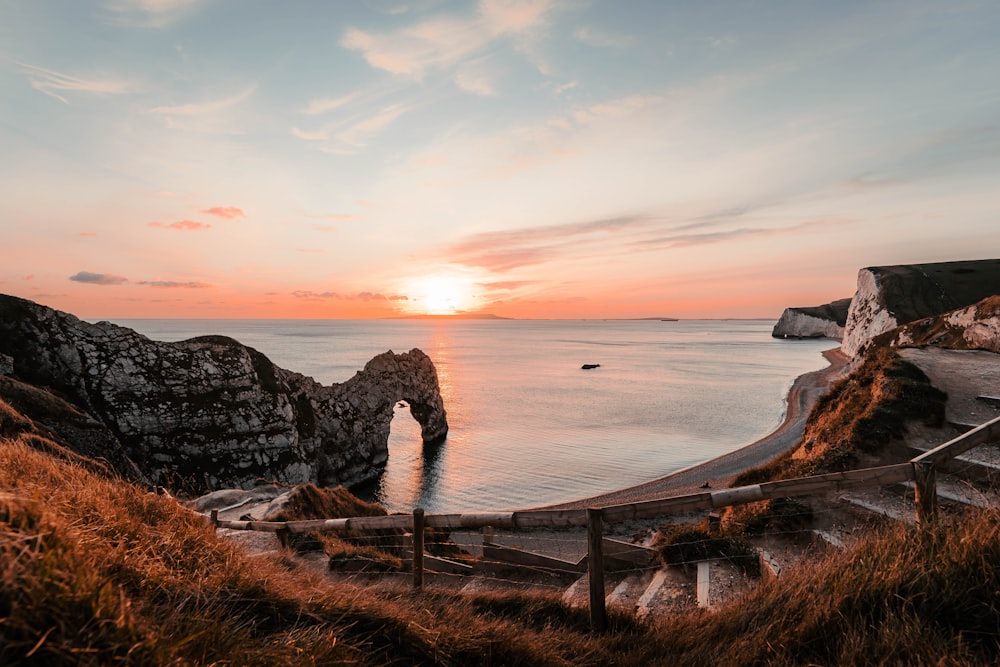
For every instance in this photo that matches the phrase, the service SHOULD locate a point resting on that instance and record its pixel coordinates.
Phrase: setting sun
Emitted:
(441, 295)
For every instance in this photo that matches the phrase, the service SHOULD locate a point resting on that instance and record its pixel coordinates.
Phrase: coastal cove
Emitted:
(528, 427)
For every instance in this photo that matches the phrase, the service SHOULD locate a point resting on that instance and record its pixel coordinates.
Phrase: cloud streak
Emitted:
(226, 212)
(173, 284)
(604, 39)
(53, 83)
(500, 252)
(206, 108)
(149, 13)
(447, 40)
(91, 278)
(360, 296)
(182, 225)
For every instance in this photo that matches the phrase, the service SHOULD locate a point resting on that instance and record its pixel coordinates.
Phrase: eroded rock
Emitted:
(975, 327)
(210, 412)
(889, 296)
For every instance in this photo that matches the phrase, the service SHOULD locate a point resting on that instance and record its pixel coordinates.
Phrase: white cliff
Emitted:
(890, 296)
(826, 321)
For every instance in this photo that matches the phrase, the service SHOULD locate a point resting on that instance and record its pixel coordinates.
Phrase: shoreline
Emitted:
(720, 471)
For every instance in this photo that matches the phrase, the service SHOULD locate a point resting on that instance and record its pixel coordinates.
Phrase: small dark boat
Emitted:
(587, 367)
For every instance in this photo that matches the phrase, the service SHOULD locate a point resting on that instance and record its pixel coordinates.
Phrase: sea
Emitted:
(529, 426)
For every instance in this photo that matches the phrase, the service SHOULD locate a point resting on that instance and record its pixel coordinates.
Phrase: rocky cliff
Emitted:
(975, 327)
(210, 412)
(826, 321)
(889, 296)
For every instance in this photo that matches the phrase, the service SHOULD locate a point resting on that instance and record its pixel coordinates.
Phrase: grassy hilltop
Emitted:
(96, 570)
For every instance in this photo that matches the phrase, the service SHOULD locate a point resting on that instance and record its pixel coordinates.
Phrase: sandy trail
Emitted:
(720, 472)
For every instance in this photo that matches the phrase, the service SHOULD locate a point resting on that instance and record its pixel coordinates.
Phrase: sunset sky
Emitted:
(527, 158)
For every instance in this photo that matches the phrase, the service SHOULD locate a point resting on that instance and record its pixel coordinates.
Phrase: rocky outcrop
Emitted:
(826, 321)
(975, 327)
(889, 296)
(210, 412)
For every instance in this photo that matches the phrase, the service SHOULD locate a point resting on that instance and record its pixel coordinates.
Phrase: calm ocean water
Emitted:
(528, 426)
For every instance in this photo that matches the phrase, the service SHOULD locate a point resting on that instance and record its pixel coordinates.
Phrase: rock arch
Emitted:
(210, 412)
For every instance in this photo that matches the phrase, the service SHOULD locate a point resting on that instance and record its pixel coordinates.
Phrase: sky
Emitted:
(524, 158)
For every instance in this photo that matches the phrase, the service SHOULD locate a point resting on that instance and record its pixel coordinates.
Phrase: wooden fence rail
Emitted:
(921, 469)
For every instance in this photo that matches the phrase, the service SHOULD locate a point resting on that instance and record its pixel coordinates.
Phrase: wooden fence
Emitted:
(922, 470)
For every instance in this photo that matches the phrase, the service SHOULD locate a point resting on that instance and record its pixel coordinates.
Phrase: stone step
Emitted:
(962, 492)
(982, 462)
(992, 401)
(629, 591)
(895, 508)
(645, 603)
(577, 593)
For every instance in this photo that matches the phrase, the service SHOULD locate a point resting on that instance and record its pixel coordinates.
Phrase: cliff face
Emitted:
(975, 327)
(826, 321)
(211, 412)
(889, 296)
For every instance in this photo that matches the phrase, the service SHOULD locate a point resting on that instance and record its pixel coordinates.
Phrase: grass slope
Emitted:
(95, 570)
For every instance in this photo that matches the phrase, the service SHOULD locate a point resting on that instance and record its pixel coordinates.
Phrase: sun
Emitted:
(441, 295)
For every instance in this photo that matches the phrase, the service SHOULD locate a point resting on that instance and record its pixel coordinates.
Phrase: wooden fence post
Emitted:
(925, 492)
(595, 568)
(418, 548)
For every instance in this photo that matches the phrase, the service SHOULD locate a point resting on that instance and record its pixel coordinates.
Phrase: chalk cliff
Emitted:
(210, 412)
(889, 296)
(975, 327)
(826, 321)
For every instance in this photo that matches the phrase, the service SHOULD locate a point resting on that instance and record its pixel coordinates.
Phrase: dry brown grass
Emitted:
(851, 424)
(94, 570)
(97, 571)
(908, 596)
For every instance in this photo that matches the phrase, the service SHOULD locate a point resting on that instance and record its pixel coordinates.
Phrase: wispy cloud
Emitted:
(149, 13)
(360, 296)
(514, 15)
(53, 83)
(476, 77)
(359, 133)
(339, 217)
(500, 252)
(318, 135)
(226, 212)
(174, 284)
(205, 108)
(88, 234)
(91, 278)
(604, 39)
(327, 104)
(569, 85)
(182, 225)
(505, 285)
(683, 239)
(447, 40)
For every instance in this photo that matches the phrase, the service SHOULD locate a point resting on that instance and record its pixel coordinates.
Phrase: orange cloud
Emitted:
(185, 225)
(227, 212)
(88, 234)
(360, 296)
